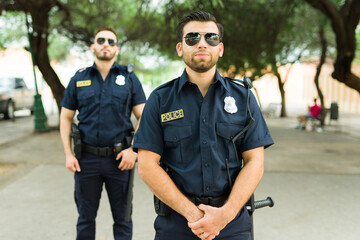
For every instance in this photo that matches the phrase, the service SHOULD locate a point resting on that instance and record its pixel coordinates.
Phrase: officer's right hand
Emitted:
(72, 163)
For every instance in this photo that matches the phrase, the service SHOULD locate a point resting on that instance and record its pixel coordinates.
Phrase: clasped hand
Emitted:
(212, 222)
(128, 158)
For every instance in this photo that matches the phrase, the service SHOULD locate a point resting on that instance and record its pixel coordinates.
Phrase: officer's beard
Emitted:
(200, 66)
(105, 56)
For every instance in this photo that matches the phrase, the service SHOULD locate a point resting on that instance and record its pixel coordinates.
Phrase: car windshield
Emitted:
(6, 83)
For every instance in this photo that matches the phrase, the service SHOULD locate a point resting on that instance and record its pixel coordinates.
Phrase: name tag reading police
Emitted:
(84, 83)
(170, 116)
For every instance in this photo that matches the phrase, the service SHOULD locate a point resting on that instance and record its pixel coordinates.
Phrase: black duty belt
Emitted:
(98, 151)
(212, 201)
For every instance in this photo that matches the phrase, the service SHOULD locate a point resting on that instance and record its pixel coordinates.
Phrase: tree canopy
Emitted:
(260, 35)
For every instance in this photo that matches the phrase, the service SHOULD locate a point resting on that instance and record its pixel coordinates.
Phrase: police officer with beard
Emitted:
(104, 94)
(184, 142)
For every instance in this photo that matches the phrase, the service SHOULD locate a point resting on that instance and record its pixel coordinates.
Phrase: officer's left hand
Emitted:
(128, 158)
(214, 220)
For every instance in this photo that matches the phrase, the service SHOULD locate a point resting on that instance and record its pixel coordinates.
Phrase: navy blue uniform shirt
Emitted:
(102, 104)
(193, 133)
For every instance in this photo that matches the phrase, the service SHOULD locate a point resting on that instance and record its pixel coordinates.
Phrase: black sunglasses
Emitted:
(192, 38)
(101, 41)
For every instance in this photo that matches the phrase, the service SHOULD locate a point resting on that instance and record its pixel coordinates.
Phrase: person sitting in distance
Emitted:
(313, 113)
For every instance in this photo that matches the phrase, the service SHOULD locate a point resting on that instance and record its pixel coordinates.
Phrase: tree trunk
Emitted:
(321, 62)
(282, 90)
(39, 38)
(344, 23)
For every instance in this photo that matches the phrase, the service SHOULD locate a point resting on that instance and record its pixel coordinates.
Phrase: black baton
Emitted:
(129, 195)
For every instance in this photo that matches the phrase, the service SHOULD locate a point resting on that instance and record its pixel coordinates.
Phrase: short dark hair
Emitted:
(199, 16)
(105, 28)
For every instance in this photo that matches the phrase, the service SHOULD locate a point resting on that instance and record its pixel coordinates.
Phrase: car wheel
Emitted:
(10, 109)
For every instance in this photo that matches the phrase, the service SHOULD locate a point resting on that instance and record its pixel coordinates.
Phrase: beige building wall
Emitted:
(300, 89)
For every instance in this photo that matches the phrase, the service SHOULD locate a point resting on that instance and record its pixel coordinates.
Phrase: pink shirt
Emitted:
(315, 110)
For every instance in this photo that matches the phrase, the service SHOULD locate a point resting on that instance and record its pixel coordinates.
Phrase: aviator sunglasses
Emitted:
(192, 38)
(101, 41)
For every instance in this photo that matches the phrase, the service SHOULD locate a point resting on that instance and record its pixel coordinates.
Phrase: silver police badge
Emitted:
(120, 80)
(230, 105)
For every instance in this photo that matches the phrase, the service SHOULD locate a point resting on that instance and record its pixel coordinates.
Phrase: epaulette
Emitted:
(166, 84)
(81, 69)
(237, 81)
(245, 83)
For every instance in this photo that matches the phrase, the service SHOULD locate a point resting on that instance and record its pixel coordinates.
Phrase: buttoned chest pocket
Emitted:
(178, 144)
(119, 99)
(86, 99)
(226, 132)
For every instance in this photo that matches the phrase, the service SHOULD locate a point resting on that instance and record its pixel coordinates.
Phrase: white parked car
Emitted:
(15, 95)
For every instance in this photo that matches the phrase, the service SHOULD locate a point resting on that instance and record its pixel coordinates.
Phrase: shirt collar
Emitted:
(184, 79)
(115, 65)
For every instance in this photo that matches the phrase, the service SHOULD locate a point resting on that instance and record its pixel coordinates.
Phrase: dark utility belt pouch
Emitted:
(161, 208)
(75, 135)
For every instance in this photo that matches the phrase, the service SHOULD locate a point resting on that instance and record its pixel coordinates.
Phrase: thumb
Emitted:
(202, 207)
(77, 166)
(119, 155)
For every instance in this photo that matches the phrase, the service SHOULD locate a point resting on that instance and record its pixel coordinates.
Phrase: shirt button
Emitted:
(204, 142)
(203, 120)
(207, 188)
(206, 165)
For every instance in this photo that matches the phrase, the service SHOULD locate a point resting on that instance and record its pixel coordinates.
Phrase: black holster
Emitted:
(75, 135)
(161, 208)
(121, 145)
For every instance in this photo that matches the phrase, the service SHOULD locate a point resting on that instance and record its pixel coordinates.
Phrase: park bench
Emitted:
(271, 110)
(319, 121)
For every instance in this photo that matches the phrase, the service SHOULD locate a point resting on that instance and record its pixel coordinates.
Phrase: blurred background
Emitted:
(293, 50)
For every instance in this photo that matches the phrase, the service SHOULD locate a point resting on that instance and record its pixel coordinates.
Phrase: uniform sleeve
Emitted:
(138, 95)
(149, 135)
(258, 135)
(69, 100)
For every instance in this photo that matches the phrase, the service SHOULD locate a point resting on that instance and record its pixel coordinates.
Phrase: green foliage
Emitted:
(13, 30)
(357, 52)
(59, 47)
(252, 30)
(257, 32)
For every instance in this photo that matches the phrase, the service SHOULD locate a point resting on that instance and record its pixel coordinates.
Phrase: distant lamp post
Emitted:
(39, 113)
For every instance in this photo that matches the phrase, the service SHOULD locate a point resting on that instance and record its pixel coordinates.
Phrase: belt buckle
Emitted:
(202, 200)
(108, 151)
(102, 152)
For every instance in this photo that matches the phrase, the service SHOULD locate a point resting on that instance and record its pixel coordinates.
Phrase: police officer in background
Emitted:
(185, 153)
(104, 94)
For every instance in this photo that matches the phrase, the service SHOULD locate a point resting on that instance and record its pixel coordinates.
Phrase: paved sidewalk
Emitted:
(313, 177)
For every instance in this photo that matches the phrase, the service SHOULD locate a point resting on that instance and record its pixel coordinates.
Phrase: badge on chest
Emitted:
(230, 105)
(120, 80)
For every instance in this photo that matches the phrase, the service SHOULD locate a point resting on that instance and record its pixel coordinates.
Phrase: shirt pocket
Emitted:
(86, 99)
(119, 100)
(178, 144)
(226, 132)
